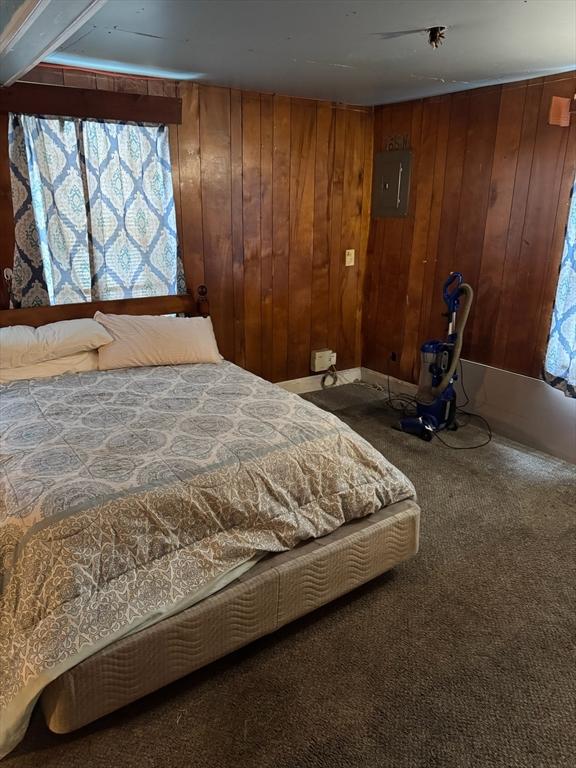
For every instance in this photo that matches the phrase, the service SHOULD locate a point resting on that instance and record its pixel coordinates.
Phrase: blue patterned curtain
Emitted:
(28, 287)
(94, 211)
(560, 365)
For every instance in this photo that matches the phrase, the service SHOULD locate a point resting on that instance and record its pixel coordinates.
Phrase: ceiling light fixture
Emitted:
(436, 36)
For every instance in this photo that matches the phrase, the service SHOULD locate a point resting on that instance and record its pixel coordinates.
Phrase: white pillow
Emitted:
(81, 361)
(23, 345)
(148, 340)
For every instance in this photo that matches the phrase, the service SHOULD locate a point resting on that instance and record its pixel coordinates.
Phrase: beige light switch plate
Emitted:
(350, 257)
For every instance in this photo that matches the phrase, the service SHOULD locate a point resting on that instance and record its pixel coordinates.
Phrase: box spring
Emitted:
(279, 589)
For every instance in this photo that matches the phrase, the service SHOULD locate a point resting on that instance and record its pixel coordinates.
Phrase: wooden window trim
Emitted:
(62, 101)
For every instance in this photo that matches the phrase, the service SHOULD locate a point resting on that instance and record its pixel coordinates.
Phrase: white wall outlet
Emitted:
(350, 257)
(322, 359)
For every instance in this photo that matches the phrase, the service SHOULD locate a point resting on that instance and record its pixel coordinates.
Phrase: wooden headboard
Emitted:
(184, 303)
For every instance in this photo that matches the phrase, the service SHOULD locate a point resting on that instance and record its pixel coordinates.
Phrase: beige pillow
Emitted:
(148, 340)
(24, 345)
(81, 361)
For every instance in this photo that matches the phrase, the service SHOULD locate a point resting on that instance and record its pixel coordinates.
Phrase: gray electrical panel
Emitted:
(391, 184)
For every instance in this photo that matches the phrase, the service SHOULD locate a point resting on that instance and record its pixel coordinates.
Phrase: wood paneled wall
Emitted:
(270, 191)
(489, 197)
(273, 190)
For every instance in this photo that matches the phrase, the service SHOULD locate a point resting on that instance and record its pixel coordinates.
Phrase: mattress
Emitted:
(276, 591)
(129, 496)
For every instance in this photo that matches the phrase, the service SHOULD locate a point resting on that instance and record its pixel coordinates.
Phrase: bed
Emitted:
(154, 519)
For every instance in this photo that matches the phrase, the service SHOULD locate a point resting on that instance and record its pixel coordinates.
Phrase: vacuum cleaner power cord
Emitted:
(406, 405)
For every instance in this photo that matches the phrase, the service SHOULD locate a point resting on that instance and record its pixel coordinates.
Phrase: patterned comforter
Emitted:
(127, 495)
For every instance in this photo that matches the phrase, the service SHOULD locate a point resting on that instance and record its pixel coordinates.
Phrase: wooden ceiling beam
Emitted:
(37, 29)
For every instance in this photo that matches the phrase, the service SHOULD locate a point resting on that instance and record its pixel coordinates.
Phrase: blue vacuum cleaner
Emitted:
(436, 396)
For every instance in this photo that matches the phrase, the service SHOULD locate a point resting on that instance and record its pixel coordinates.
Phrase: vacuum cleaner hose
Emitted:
(468, 294)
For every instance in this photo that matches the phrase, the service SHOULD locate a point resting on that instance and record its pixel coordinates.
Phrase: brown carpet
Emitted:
(465, 656)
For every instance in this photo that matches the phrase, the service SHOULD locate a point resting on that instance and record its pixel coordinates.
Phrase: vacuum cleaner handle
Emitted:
(463, 290)
(452, 298)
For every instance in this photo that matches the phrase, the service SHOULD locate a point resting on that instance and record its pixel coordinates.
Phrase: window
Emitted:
(560, 365)
(94, 211)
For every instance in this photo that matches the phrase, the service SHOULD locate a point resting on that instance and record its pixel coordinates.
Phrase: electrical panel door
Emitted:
(391, 184)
